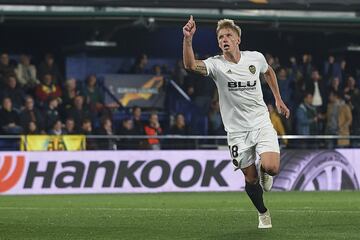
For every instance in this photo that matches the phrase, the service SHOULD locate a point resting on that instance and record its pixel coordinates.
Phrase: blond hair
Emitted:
(228, 23)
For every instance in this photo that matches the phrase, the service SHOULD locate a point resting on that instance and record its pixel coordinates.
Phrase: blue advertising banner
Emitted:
(135, 90)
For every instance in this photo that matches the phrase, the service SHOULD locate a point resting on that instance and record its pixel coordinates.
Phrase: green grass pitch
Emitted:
(295, 215)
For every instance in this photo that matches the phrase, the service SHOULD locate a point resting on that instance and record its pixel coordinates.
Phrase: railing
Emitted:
(117, 142)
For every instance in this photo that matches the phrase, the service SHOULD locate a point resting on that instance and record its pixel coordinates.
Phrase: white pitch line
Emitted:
(306, 210)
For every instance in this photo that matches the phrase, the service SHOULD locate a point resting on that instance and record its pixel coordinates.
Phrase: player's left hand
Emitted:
(282, 108)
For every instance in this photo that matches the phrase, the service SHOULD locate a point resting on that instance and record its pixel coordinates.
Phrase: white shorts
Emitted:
(244, 146)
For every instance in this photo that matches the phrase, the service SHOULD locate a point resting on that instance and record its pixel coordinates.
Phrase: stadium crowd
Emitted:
(39, 100)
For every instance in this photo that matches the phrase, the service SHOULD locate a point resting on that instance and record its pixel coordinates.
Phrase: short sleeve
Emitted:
(263, 64)
(210, 66)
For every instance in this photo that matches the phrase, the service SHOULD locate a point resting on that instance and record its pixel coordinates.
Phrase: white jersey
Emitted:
(241, 100)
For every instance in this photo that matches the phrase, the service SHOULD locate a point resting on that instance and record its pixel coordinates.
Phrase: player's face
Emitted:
(228, 40)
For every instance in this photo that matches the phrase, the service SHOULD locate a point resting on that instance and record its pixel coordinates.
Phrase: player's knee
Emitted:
(251, 180)
(272, 170)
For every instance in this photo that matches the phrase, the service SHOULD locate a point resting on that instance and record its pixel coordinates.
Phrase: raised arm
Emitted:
(270, 78)
(190, 63)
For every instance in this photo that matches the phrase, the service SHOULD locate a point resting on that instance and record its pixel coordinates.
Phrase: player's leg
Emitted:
(253, 188)
(270, 162)
(255, 193)
(269, 151)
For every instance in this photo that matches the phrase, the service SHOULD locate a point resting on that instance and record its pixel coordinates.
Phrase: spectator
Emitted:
(180, 74)
(272, 61)
(216, 126)
(94, 99)
(106, 129)
(69, 128)
(138, 123)
(9, 121)
(306, 117)
(47, 89)
(345, 121)
(355, 128)
(31, 114)
(284, 82)
(48, 66)
(70, 92)
(157, 71)
(332, 117)
(56, 128)
(350, 86)
(51, 112)
(332, 69)
(26, 73)
(306, 67)
(78, 112)
(180, 128)
(344, 70)
(14, 92)
(127, 128)
(140, 64)
(153, 129)
(316, 87)
(334, 85)
(87, 129)
(5, 68)
(32, 128)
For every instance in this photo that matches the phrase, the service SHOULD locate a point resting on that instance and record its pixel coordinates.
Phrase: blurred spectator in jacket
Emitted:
(51, 112)
(179, 75)
(9, 120)
(87, 129)
(32, 129)
(306, 117)
(26, 73)
(14, 92)
(69, 128)
(94, 98)
(157, 70)
(47, 89)
(49, 66)
(350, 86)
(106, 128)
(153, 128)
(69, 94)
(334, 85)
(5, 68)
(355, 105)
(284, 82)
(140, 64)
(317, 88)
(344, 71)
(216, 126)
(180, 128)
(306, 67)
(78, 112)
(332, 69)
(56, 128)
(332, 117)
(345, 121)
(127, 128)
(31, 114)
(138, 123)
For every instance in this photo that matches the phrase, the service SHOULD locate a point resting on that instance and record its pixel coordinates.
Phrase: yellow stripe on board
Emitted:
(259, 1)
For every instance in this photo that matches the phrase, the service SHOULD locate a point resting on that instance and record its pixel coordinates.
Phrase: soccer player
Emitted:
(243, 110)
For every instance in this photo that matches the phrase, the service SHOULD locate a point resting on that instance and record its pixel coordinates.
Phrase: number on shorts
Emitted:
(234, 151)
